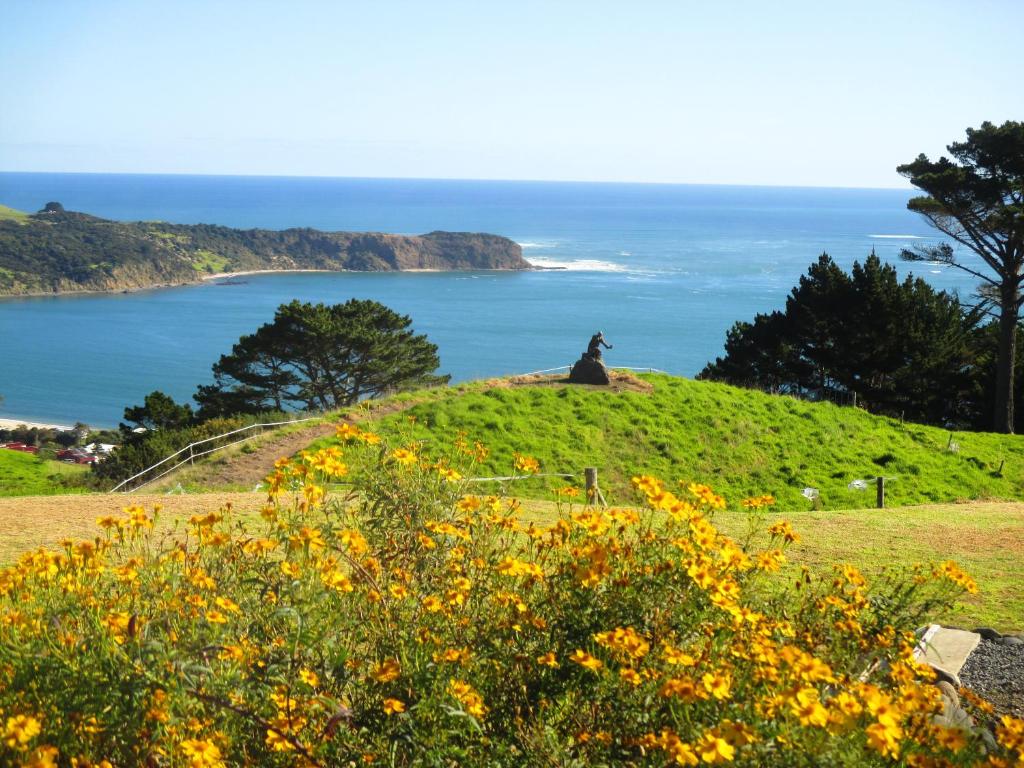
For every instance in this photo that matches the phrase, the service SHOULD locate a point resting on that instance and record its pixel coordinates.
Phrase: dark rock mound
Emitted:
(587, 370)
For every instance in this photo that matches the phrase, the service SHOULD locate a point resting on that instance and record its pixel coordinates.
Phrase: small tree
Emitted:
(902, 347)
(315, 356)
(158, 411)
(978, 202)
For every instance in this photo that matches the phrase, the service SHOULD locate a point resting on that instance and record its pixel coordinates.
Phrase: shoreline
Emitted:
(6, 423)
(201, 279)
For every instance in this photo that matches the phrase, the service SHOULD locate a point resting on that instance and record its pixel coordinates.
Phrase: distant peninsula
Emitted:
(58, 251)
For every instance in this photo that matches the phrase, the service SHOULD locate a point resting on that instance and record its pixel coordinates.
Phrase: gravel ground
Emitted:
(996, 672)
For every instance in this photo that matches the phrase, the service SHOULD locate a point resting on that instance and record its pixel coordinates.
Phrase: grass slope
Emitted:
(740, 442)
(12, 214)
(22, 474)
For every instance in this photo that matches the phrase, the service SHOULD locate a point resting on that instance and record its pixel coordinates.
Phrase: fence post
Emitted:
(880, 496)
(191, 457)
(592, 489)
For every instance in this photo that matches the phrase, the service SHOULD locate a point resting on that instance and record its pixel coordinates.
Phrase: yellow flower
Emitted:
(448, 474)
(676, 657)
(526, 463)
(386, 671)
(470, 699)
(785, 531)
(585, 660)
(404, 457)
(548, 660)
(717, 684)
(216, 617)
(277, 741)
(712, 748)
(345, 431)
(683, 688)
(806, 706)
(227, 604)
(336, 580)
(884, 738)
(19, 730)
(201, 753)
(509, 566)
(43, 757)
(290, 569)
(631, 676)
(393, 706)
(309, 677)
(433, 604)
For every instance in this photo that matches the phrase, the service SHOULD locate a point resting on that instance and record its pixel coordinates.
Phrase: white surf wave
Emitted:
(897, 237)
(577, 265)
(536, 245)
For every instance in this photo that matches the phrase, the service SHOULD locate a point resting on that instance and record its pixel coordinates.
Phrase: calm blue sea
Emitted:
(663, 270)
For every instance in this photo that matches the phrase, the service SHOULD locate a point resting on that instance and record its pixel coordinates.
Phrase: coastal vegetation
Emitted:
(319, 357)
(977, 201)
(59, 251)
(313, 357)
(898, 348)
(416, 622)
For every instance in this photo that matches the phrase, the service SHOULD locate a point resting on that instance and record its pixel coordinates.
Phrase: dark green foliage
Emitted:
(158, 411)
(57, 250)
(140, 451)
(977, 200)
(319, 357)
(902, 347)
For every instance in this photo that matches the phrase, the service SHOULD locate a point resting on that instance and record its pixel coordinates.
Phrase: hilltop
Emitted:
(58, 251)
(739, 441)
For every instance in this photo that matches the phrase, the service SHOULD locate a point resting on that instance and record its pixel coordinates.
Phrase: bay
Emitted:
(663, 270)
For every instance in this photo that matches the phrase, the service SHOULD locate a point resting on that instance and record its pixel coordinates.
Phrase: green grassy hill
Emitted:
(12, 214)
(738, 441)
(23, 474)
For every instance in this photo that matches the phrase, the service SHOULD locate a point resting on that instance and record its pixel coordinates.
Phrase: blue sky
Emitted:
(797, 93)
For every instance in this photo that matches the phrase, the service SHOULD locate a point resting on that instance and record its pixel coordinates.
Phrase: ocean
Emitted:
(662, 270)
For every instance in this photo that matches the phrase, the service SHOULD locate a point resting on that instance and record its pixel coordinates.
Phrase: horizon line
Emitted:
(458, 178)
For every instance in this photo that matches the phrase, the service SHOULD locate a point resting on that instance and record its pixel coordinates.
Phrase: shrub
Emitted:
(408, 622)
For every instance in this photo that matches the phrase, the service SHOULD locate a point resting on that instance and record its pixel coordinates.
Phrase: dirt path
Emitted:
(247, 469)
(242, 469)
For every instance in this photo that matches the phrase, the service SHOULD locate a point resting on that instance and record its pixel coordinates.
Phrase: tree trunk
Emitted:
(1003, 417)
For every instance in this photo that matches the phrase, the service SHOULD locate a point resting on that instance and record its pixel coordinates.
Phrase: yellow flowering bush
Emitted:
(408, 621)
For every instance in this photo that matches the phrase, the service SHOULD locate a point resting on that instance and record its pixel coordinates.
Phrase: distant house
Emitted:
(77, 456)
(100, 448)
(20, 447)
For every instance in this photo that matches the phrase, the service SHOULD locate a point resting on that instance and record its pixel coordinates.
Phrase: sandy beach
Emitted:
(13, 423)
(227, 275)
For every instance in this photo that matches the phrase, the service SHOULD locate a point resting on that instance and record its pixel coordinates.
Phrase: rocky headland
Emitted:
(57, 251)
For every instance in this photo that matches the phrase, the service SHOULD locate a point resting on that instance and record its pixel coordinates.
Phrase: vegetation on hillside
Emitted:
(418, 624)
(57, 251)
(315, 356)
(320, 357)
(901, 348)
(742, 441)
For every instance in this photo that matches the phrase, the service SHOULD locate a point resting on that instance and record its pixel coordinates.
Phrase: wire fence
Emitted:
(210, 445)
(189, 453)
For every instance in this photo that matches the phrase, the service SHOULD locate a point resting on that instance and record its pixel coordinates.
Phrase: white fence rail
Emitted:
(190, 449)
(639, 368)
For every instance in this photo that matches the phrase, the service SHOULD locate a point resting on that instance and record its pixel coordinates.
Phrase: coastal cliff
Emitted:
(57, 251)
